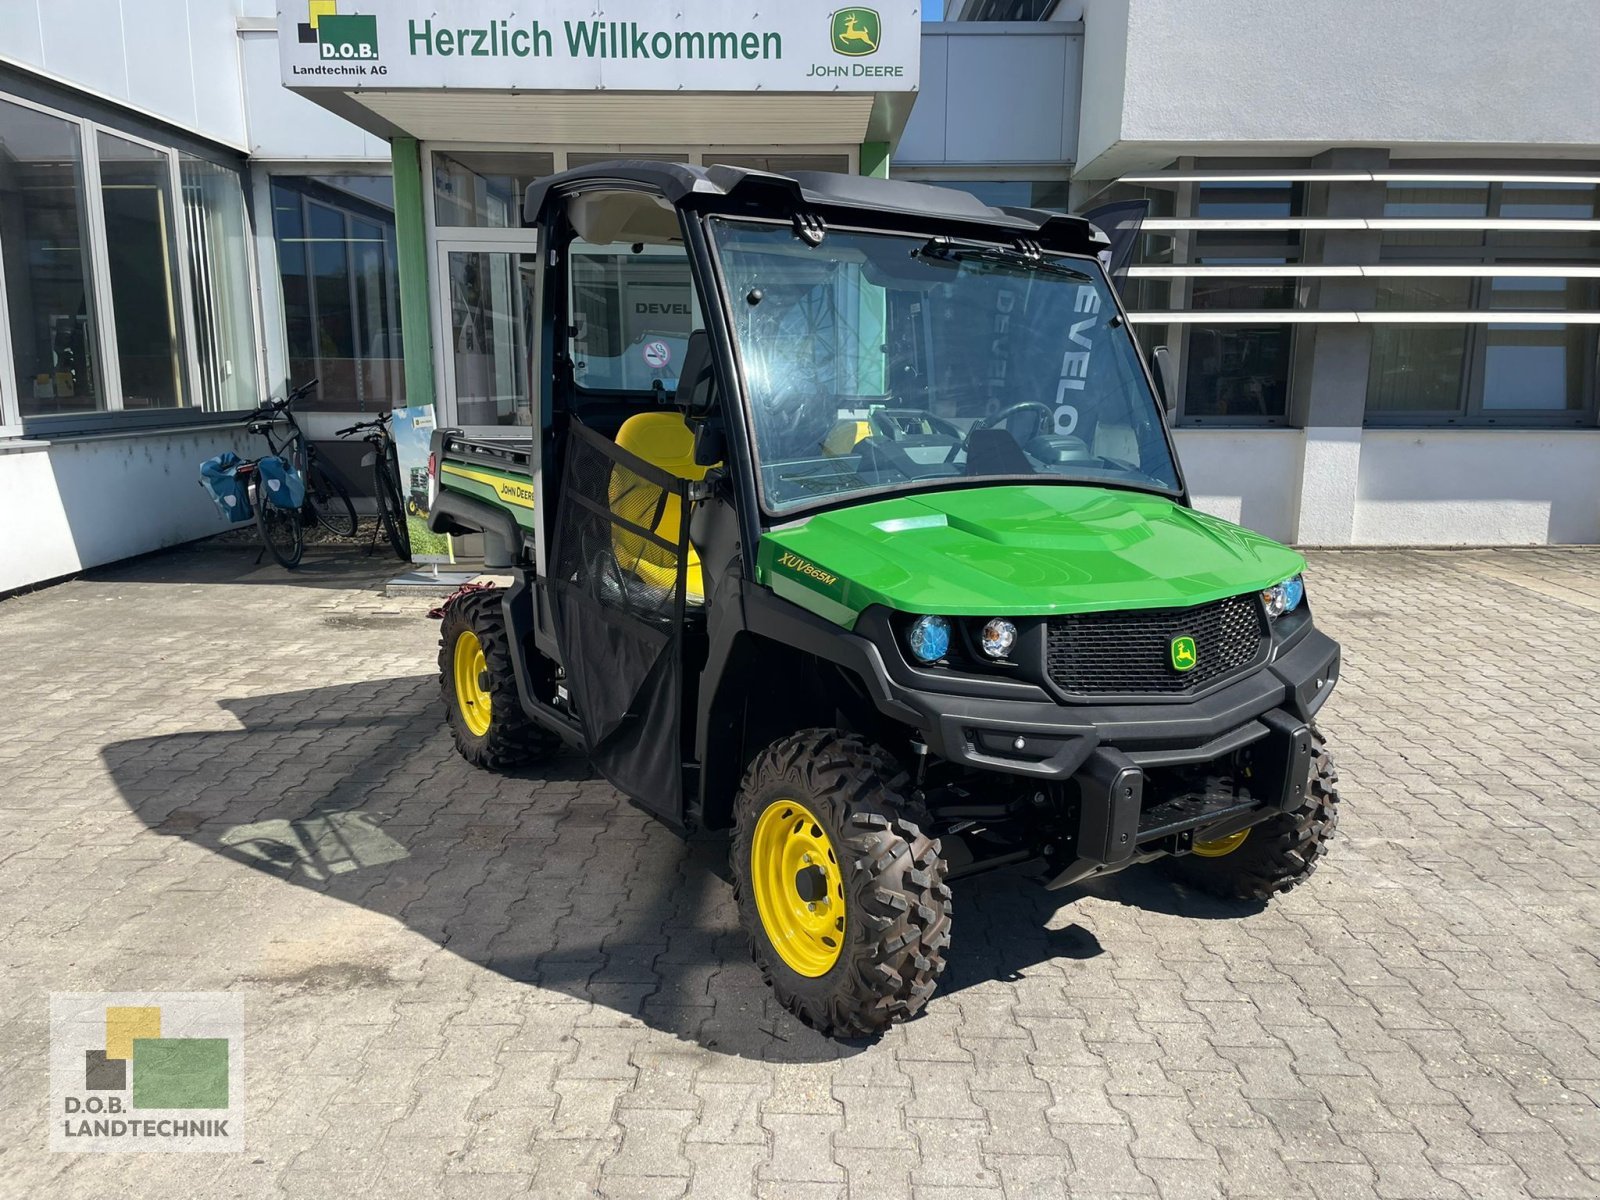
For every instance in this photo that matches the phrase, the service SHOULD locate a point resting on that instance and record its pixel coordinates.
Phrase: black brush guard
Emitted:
(1115, 816)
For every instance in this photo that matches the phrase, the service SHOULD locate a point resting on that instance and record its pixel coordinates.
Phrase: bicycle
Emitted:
(327, 499)
(282, 532)
(385, 463)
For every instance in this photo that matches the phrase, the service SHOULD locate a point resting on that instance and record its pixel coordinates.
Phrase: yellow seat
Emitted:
(664, 440)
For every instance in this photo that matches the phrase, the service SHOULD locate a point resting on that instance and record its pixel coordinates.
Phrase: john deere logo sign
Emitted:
(856, 31)
(339, 36)
(1183, 654)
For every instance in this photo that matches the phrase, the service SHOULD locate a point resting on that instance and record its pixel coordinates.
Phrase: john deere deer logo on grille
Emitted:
(1183, 653)
(855, 31)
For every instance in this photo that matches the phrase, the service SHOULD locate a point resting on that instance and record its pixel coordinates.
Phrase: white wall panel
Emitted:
(82, 43)
(160, 65)
(284, 125)
(72, 505)
(1422, 73)
(996, 93)
(20, 37)
(1478, 487)
(172, 59)
(1248, 476)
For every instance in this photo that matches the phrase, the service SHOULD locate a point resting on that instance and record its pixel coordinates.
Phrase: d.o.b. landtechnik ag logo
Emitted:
(146, 1071)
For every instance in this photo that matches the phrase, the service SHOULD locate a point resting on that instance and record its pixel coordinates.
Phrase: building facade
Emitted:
(1373, 241)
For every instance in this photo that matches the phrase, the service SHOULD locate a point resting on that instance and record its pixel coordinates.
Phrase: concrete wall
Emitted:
(286, 126)
(996, 93)
(174, 60)
(1400, 487)
(1248, 476)
(1397, 73)
(71, 505)
(1478, 487)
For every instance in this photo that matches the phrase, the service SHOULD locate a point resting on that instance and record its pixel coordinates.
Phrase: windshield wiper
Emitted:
(942, 249)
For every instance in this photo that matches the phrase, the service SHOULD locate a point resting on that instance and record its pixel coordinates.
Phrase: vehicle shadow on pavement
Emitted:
(545, 876)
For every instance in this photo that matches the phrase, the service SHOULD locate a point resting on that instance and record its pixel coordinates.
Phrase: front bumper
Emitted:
(1111, 769)
(1048, 741)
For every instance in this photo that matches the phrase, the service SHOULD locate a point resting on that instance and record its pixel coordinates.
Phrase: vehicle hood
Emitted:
(1017, 551)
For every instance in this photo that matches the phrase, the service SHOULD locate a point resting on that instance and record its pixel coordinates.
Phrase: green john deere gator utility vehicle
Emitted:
(845, 517)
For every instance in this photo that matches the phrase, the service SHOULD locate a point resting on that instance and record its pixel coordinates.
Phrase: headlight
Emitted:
(929, 638)
(999, 636)
(1284, 597)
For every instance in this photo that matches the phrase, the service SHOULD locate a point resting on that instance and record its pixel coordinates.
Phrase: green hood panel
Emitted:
(1017, 551)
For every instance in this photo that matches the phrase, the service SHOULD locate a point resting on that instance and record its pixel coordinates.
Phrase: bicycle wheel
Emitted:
(390, 514)
(281, 530)
(328, 501)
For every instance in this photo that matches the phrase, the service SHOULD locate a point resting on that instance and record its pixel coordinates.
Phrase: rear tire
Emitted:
(480, 690)
(389, 515)
(281, 529)
(1280, 853)
(829, 800)
(328, 502)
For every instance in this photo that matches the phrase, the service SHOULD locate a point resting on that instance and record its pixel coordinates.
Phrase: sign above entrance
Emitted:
(569, 45)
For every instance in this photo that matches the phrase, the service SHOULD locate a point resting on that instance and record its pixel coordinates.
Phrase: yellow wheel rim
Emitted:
(799, 888)
(472, 670)
(1222, 845)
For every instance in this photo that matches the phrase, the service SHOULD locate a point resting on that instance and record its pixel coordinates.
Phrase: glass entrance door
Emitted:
(487, 306)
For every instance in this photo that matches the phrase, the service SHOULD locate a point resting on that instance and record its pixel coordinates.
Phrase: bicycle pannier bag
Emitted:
(282, 486)
(220, 476)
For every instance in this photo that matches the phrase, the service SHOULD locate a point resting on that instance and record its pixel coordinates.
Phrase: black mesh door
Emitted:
(621, 551)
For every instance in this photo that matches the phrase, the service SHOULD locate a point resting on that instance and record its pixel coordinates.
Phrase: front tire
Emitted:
(328, 501)
(842, 896)
(389, 515)
(281, 529)
(480, 689)
(1280, 853)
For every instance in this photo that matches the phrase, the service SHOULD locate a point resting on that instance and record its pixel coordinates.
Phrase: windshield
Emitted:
(879, 361)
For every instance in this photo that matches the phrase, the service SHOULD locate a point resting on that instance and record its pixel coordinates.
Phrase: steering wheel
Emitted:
(1006, 414)
(882, 420)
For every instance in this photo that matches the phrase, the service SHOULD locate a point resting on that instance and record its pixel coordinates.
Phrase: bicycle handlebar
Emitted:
(271, 408)
(377, 423)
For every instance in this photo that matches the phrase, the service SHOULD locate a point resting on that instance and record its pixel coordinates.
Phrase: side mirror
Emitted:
(696, 381)
(1166, 378)
(710, 444)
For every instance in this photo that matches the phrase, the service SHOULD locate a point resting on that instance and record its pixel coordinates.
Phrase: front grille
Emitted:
(1130, 653)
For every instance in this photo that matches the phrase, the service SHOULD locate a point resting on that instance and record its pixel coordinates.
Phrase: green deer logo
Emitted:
(1183, 654)
(856, 31)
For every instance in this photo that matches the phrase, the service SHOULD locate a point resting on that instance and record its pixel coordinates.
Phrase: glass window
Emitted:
(1458, 372)
(1548, 201)
(1417, 368)
(1424, 293)
(1237, 371)
(1238, 292)
(335, 237)
(142, 260)
(874, 364)
(589, 158)
(1537, 367)
(491, 328)
(219, 280)
(1259, 200)
(633, 310)
(484, 188)
(1438, 200)
(44, 237)
(1246, 247)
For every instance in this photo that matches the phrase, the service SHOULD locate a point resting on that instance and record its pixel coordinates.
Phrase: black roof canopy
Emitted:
(839, 199)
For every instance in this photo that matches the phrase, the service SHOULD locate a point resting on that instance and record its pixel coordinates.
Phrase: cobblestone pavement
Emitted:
(222, 777)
